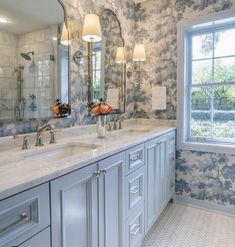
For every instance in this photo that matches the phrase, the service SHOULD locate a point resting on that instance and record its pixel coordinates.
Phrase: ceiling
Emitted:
(28, 15)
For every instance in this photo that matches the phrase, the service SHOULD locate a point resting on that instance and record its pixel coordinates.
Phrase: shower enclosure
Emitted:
(20, 100)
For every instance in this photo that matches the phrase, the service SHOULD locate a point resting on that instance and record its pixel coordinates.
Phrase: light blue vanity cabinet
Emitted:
(74, 209)
(159, 177)
(112, 201)
(135, 195)
(24, 215)
(87, 205)
(171, 167)
(152, 182)
(42, 239)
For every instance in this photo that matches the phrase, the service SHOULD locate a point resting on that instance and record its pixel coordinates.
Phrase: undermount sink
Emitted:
(130, 131)
(136, 130)
(60, 152)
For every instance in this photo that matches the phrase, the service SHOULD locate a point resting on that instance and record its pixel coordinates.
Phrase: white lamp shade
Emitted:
(64, 39)
(91, 28)
(139, 53)
(120, 55)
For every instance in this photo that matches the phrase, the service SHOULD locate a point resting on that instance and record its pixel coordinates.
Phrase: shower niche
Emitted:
(34, 59)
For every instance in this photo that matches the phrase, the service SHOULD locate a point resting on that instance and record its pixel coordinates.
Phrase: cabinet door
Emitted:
(164, 159)
(74, 209)
(152, 182)
(111, 201)
(42, 239)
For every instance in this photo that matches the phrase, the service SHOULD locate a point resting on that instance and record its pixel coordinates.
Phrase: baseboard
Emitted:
(206, 205)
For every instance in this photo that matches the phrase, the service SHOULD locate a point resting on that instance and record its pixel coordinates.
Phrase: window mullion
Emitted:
(189, 86)
(213, 81)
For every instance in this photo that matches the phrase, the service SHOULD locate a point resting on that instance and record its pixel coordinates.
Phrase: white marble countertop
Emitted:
(18, 172)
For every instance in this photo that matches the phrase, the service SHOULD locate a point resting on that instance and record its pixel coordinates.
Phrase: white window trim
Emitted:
(183, 26)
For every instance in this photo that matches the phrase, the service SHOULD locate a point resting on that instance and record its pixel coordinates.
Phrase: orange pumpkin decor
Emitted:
(60, 110)
(101, 108)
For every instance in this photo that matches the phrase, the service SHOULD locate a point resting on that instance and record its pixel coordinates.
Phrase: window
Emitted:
(96, 71)
(208, 106)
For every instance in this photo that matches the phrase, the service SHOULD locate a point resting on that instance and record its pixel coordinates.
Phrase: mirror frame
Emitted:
(69, 50)
(27, 126)
(90, 83)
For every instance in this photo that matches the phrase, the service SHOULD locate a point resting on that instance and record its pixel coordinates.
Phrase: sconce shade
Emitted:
(64, 39)
(120, 55)
(139, 53)
(91, 31)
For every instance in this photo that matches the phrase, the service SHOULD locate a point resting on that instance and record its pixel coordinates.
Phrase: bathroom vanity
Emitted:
(85, 191)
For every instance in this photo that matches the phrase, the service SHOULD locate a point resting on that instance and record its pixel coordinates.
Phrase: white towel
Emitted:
(113, 98)
(158, 98)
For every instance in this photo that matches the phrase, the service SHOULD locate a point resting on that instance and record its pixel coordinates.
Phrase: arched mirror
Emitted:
(34, 59)
(108, 75)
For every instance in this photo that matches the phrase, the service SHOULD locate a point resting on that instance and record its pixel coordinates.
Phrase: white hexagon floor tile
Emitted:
(184, 226)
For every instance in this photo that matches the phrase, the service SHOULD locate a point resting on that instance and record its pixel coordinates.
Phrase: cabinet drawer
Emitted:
(134, 158)
(171, 164)
(42, 239)
(135, 190)
(24, 215)
(135, 228)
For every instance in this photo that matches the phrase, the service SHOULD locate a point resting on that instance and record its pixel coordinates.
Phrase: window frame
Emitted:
(187, 29)
(96, 70)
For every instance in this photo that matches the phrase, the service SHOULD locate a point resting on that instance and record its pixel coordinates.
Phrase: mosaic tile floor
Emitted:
(182, 226)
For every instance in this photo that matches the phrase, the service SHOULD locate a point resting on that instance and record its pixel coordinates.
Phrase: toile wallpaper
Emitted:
(76, 11)
(206, 176)
(203, 176)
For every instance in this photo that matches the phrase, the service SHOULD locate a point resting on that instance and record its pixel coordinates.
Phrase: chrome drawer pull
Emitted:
(135, 189)
(103, 172)
(135, 157)
(23, 218)
(134, 231)
(97, 173)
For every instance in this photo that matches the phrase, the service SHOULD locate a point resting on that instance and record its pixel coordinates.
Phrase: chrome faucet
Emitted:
(118, 120)
(40, 131)
(25, 144)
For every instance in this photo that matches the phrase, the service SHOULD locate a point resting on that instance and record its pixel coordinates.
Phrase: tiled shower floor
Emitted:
(184, 226)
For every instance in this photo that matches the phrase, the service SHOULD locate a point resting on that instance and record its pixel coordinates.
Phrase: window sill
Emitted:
(208, 147)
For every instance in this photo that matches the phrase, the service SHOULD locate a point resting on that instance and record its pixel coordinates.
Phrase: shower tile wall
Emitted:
(38, 76)
(8, 63)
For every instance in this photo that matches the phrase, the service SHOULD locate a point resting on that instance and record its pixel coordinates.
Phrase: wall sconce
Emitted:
(121, 59)
(139, 55)
(91, 32)
(64, 38)
(120, 55)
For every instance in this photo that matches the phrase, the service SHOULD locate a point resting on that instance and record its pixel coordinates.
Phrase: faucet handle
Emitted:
(109, 127)
(52, 139)
(120, 125)
(25, 144)
(40, 141)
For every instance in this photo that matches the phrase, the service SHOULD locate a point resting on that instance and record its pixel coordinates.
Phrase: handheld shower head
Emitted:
(27, 56)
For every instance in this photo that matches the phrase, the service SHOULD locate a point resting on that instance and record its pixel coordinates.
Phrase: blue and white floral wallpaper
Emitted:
(199, 175)
(206, 176)
(76, 11)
